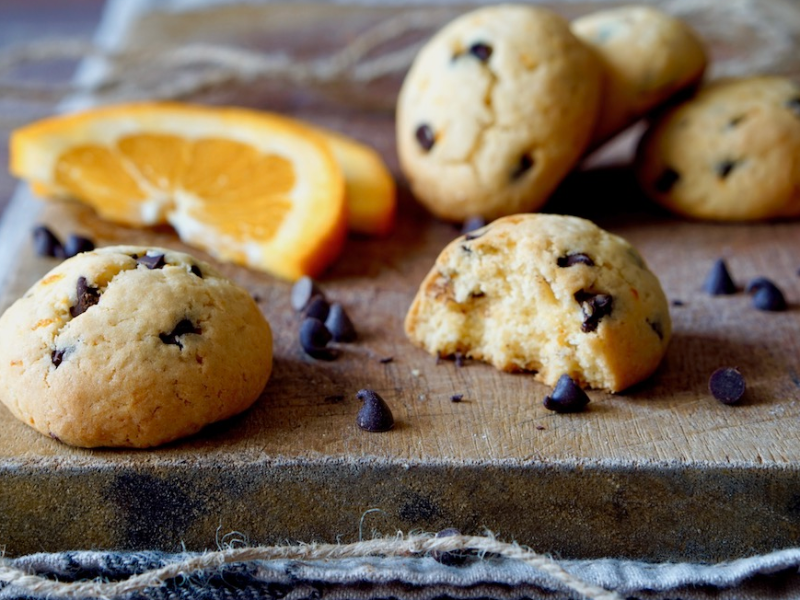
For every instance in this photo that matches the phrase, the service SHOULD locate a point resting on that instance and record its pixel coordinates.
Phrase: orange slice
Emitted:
(369, 186)
(249, 187)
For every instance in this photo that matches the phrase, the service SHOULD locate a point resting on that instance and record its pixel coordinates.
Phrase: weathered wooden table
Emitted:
(660, 472)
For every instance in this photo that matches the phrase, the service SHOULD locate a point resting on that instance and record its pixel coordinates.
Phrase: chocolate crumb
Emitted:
(541, 427)
(184, 327)
(677, 302)
(87, 297)
(727, 385)
(525, 163)
(578, 258)
(766, 295)
(386, 360)
(152, 261)
(374, 414)
(453, 558)
(303, 291)
(458, 357)
(77, 244)
(595, 307)
(456, 397)
(314, 338)
(318, 308)
(339, 324)
(567, 396)
(45, 242)
(719, 282)
(665, 182)
(725, 167)
(425, 137)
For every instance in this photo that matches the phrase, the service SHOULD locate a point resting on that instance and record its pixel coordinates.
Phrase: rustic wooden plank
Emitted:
(659, 472)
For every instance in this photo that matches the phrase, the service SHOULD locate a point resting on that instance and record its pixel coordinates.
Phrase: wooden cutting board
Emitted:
(660, 472)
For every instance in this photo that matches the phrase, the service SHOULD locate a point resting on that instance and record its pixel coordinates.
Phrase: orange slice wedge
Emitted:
(249, 187)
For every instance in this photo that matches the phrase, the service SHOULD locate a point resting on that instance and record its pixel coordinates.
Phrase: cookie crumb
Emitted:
(567, 396)
(727, 385)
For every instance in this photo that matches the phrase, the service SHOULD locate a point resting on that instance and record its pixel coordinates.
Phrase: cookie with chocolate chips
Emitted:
(548, 294)
(132, 347)
(728, 154)
(498, 106)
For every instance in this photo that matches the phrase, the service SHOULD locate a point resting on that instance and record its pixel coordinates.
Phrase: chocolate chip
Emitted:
(87, 297)
(45, 242)
(340, 325)
(318, 308)
(425, 137)
(677, 302)
(595, 307)
(195, 270)
(727, 385)
(374, 414)
(793, 104)
(725, 167)
(472, 224)
(303, 291)
(766, 295)
(314, 338)
(524, 164)
(452, 558)
(574, 259)
(57, 356)
(152, 261)
(456, 397)
(567, 396)
(719, 282)
(481, 51)
(668, 178)
(184, 327)
(466, 249)
(386, 360)
(736, 120)
(76, 244)
(458, 357)
(657, 328)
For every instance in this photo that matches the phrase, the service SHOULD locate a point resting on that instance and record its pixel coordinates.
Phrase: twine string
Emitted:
(396, 547)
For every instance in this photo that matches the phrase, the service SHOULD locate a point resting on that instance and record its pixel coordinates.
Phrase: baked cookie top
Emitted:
(648, 56)
(132, 346)
(545, 293)
(731, 153)
(495, 110)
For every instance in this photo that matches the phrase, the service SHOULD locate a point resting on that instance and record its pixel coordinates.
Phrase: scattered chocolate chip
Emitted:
(477, 294)
(87, 297)
(595, 307)
(184, 327)
(766, 295)
(657, 328)
(335, 399)
(303, 291)
(374, 414)
(314, 338)
(736, 120)
(318, 308)
(459, 359)
(793, 104)
(725, 167)
(567, 396)
(339, 324)
(425, 137)
(727, 385)
(541, 427)
(453, 558)
(578, 258)
(57, 356)
(456, 397)
(719, 282)
(152, 261)
(668, 178)
(677, 302)
(76, 244)
(195, 270)
(481, 51)
(45, 242)
(472, 224)
(524, 164)
(257, 298)
(386, 360)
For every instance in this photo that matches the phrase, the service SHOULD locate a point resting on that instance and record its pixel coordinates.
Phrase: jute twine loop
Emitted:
(394, 547)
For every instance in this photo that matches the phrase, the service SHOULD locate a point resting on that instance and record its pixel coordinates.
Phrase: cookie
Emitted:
(550, 294)
(497, 107)
(132, 346)
(648, 56)
(731, 153)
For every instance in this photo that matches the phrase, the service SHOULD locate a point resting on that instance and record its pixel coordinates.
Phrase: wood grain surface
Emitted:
(660, 472)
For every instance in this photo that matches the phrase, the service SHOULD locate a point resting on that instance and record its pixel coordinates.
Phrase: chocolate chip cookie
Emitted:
(497, 107)
(132, 346)
(731, 153)
(550, 294)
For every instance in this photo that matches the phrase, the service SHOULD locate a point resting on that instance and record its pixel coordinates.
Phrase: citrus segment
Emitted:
(246, 186)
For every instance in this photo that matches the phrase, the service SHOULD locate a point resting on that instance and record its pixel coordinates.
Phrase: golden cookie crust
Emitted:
(105, 351)
(731, 153)
(509, 95)
(545, 293)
